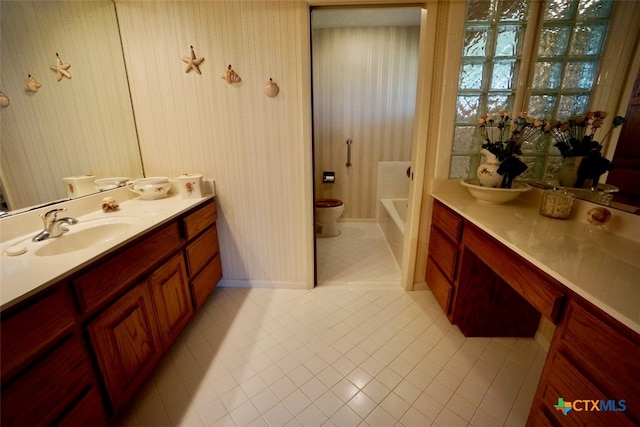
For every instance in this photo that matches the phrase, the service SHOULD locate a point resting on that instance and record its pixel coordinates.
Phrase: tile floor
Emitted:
(359, 256)
(337, 355)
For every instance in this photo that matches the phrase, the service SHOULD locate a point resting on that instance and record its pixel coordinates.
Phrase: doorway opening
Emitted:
(364, 87)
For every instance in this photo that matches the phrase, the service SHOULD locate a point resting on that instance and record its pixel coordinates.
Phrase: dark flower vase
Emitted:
(568, 173)
(510, 169)
(583, 171)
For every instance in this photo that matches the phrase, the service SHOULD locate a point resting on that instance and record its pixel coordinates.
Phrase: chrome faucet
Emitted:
(53, 226)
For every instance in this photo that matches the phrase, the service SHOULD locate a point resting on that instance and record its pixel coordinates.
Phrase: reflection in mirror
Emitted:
(77, 126)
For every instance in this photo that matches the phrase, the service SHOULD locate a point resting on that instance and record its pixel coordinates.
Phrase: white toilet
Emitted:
(327, 213)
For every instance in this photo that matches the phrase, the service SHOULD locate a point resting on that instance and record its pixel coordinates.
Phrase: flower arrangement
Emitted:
(575, 137)
(503, 136)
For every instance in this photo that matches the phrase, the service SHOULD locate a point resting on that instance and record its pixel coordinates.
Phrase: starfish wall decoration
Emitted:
(61, 69)
(193, 63)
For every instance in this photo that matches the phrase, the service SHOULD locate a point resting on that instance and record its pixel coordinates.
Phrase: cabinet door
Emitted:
(171, 297)
(50, 386)
(126, 343)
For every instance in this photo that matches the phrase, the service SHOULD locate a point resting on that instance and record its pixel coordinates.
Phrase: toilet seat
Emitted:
(328, 203)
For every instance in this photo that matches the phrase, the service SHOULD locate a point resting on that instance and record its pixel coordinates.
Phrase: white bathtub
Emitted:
(391, 218)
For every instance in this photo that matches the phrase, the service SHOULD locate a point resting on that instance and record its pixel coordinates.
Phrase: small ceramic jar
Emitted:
(190, 185)
(79, 185)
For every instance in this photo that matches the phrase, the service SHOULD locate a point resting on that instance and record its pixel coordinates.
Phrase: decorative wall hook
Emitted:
(231, 76)
(193, 62)
(4, 100)
(61, 68)
(32, 84)
(271, 89)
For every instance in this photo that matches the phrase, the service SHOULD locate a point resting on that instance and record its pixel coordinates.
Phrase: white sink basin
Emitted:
(87, 234)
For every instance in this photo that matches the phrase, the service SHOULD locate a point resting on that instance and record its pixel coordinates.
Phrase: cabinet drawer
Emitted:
(439, 285)
(569, 384)
(538, 288)
(447, 221)
(199, 220)
(26, 333)
(206, 281)
(48, 388)
(443, 252)
(609, 354)
(202, 250)
(122, 270)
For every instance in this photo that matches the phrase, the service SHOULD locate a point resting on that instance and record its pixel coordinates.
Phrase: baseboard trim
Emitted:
(227, 283)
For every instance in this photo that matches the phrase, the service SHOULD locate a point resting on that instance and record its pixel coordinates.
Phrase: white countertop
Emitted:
(601, 267)
(26, 274)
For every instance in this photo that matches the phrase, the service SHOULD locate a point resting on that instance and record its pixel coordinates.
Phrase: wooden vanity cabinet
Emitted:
(47, 375)
(592, 357)
(130, 335)
(483, 287)
(76, 352)
(98, 285)
(490, 290)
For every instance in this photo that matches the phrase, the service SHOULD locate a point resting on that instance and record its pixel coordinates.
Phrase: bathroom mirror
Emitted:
(82, 125)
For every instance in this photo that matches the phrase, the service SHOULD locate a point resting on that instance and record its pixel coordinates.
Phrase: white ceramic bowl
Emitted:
(151, 180)
(148, 191)
(104, 184)
(494, 196)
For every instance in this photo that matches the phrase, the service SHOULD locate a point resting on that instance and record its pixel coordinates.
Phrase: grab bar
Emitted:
(348, 153)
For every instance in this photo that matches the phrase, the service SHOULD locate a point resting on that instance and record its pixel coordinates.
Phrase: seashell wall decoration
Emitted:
(271, 89)
(32, 85)
(230, 76)
(4, 100)
(61, 68)
(193, 62)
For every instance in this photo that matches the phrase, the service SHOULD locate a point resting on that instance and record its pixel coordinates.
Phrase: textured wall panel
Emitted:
(364, 82)
(250, 144)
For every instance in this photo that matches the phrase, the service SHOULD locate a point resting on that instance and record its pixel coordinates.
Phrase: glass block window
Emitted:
(569, 44)
(491, 55)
